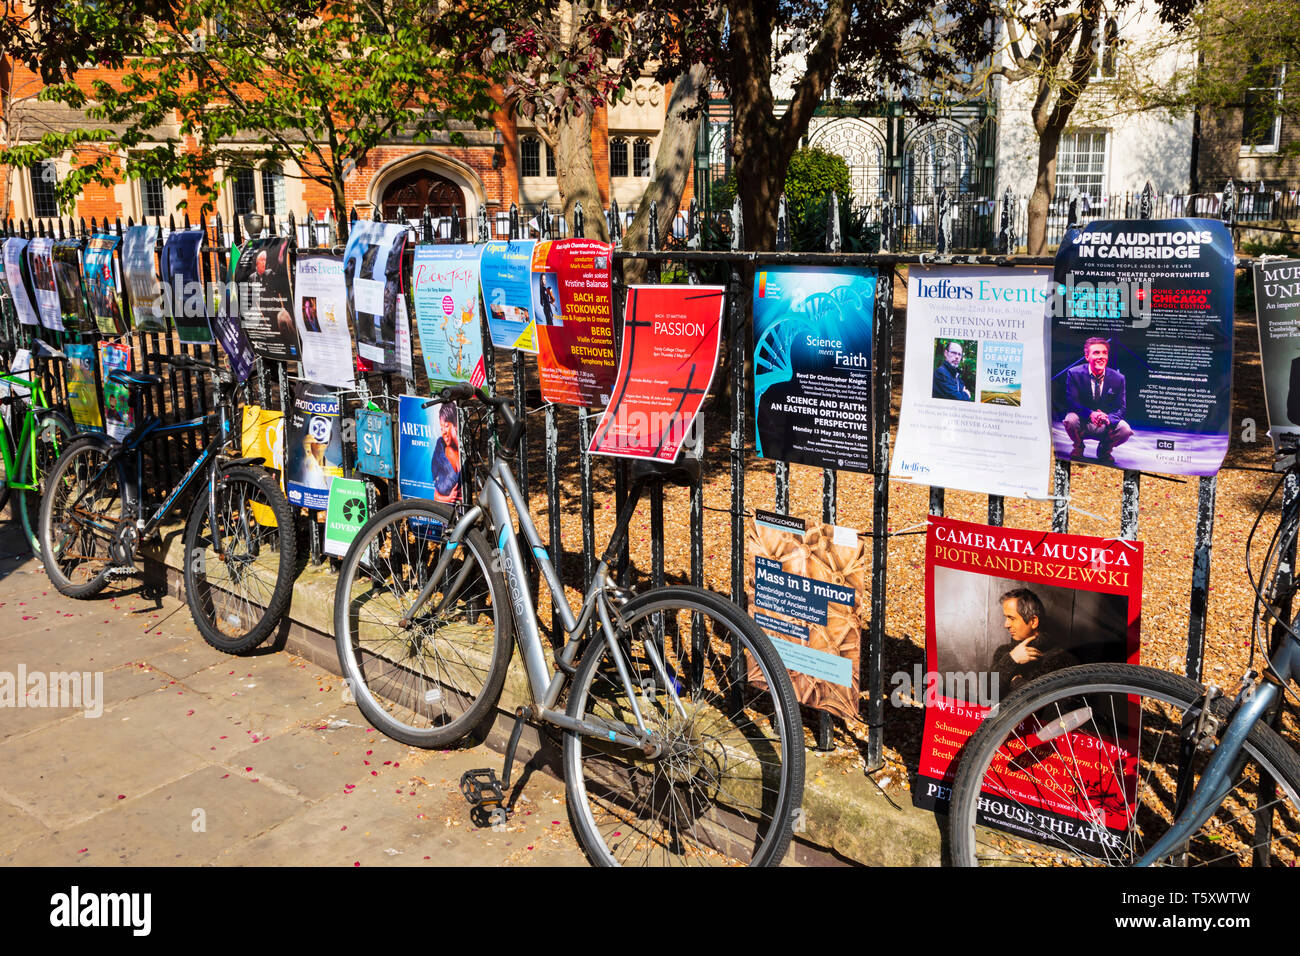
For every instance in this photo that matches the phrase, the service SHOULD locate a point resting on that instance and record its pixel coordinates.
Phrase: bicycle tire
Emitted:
(52, 435)
(729, 779)
(237, 598)
(1122, 710)
(75, 545)
(429, 684)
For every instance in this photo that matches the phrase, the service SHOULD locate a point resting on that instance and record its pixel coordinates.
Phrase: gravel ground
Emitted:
(1167, 525)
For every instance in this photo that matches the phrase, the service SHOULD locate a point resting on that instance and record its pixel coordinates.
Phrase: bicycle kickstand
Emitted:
(484, 791)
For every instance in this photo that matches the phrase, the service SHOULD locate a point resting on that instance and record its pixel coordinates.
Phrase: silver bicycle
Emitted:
(682, 741)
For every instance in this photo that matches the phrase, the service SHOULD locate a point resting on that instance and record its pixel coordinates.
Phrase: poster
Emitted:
(572, 307)
(314, 445)
(372, 264)
(1004, 606)
(228, 330)
(119, 419)
(15, 251)
(1277, 314)
(184, 297)
(505, 269)
(812, 365)
(428, 450)
(974, 410)
(320, 301)
(72, 290)
(261, 435)
(40, 264)
(444, 284)
(83, 396)
(374, 442)
(101, 284)
(1142, 345)
(671, 337)
(140, 272)
(805, 588)
(345, 514)
(266, 299)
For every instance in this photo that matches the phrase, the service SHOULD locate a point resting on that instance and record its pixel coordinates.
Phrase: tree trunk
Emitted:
(757, 137)
(673, 165)
(575, 172)
(1040, 199)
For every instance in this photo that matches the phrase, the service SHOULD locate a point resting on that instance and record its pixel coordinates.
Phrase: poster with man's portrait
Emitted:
(1005, 606)
(1277, 314)
(264, 282)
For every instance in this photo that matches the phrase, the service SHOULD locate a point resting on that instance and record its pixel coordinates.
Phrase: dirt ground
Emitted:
(1167, 523)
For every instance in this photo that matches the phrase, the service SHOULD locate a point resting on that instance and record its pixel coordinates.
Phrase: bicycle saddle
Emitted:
(120, 376)
(685, 471)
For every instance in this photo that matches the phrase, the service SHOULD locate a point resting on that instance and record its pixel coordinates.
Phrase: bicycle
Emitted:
(44, 433)
(239, 538)
(1120, 765)
(682, 740)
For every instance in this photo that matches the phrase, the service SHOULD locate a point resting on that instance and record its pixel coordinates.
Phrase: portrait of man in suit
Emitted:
(947, 375)
(1095, 402)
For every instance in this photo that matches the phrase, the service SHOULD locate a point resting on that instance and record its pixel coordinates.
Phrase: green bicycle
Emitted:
(29, 451)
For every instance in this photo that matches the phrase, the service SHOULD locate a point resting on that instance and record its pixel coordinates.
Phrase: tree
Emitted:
(1053, 48)
(813, 174)
(316, 82)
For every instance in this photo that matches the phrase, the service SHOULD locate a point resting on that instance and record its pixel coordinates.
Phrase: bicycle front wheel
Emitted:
(430, 678)
(1087, 767)
(239, 563)
(726, 774)
(50, 439)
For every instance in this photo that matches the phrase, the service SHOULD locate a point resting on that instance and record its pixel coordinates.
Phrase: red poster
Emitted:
(573, 309)
(671, 336)
(1004, 606)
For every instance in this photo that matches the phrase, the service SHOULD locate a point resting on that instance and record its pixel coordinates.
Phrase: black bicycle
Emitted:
(240, 541)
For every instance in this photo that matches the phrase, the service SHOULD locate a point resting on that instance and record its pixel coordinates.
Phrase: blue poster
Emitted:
(314, 448)
(444, 280)
(428, 451)
(374, 443)
(183, 290)
(1142, 345)
(505, 268)
(812, 365)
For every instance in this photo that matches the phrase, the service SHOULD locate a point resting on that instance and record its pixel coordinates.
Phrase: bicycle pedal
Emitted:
(125, 571)
(483, 792)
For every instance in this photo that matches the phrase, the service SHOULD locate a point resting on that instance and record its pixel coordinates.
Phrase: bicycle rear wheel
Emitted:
(727, 779)
(430, 680)
(80, 514)
(1082, 767)
(238, 594)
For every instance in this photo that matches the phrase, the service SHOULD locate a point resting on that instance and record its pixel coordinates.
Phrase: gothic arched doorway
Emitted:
(419, 188)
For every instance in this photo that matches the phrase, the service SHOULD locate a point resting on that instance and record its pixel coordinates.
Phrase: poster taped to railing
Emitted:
(1142, 345)
(119, 419)
(671, 337)
(346, 514)
(83, 401)
(183, 289)
(227, 328)
(974, 411)
(40, 262)
(101, 284)
(320, 297)
(505, 270)
(1277, 315)
(812, 365)
(1002, 607)
(72, 291)
(428, 450)
(314, 445)
(573, 309)
(806, 588)
(445, 287)
(372, 268)
(15, 251)
(140, 273)
(266, 299)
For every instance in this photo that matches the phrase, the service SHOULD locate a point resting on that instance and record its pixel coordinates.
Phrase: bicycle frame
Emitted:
(499, 490)
(29, 427)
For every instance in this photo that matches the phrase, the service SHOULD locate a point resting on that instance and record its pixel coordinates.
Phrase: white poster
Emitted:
(140, 268)
(40, 263)
(321, 312)
(14, 248)
(975, 408)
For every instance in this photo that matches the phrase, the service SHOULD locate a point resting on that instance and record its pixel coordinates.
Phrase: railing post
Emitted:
(781, 469)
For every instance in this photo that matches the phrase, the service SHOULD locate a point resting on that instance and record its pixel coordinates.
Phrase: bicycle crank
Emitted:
(121, 550)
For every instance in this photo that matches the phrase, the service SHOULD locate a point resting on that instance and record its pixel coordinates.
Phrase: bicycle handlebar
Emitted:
(503, 406)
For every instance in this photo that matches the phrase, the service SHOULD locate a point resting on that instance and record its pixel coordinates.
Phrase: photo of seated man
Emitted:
(1095, 402)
